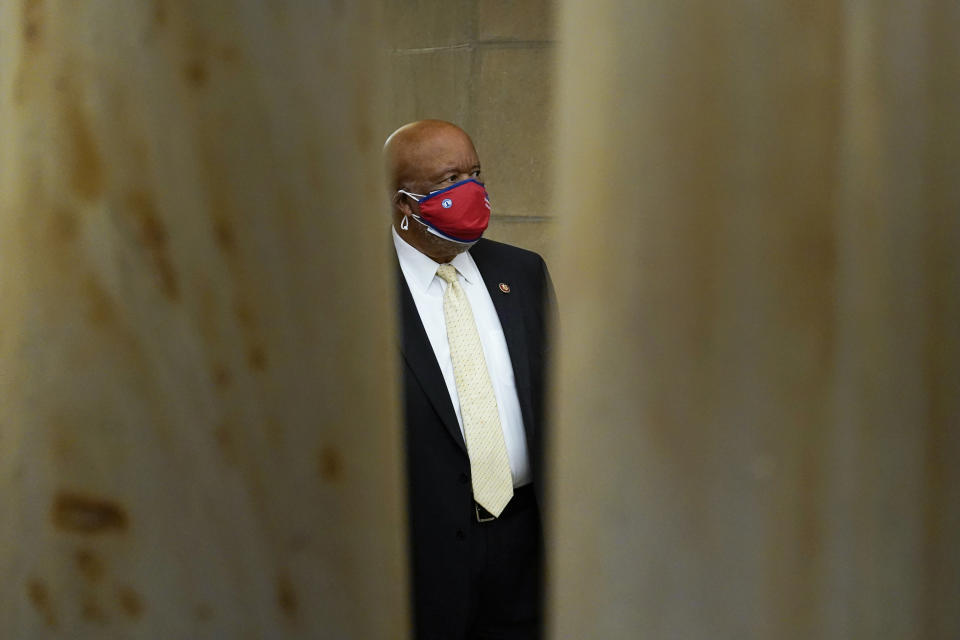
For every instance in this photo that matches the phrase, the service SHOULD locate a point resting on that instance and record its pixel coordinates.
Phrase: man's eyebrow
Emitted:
(440, 175)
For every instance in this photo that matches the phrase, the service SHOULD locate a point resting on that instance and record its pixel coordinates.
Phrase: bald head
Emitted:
(419, 153)
(421, 157)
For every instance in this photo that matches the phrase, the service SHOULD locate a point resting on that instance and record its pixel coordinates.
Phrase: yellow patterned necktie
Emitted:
(489, 464)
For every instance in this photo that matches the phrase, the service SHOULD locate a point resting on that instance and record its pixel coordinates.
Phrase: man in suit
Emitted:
(473, 314)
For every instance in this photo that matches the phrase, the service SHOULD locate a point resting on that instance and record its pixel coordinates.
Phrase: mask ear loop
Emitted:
(405, 223)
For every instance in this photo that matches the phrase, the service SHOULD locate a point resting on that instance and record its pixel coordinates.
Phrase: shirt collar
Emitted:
(420, 269)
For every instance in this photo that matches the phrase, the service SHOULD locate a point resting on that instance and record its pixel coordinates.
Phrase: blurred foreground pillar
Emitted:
(197, 428)
(758, 392)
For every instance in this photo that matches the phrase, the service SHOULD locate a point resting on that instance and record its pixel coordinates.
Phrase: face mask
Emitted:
(460, 212)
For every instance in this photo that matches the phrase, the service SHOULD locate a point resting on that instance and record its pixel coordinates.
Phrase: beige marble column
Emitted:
(198, 434)
(758, 417)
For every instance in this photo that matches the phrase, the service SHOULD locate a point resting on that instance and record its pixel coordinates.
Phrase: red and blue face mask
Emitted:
(460, 212)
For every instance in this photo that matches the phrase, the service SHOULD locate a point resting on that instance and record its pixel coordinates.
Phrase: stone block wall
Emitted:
(487, 66)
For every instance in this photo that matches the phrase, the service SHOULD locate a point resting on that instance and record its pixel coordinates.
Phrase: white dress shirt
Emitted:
(427, 289)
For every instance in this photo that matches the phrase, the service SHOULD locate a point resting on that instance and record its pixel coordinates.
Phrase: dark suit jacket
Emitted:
(438, 470)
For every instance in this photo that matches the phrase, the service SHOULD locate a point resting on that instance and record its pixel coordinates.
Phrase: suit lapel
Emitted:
(419, 356)
(509, 308)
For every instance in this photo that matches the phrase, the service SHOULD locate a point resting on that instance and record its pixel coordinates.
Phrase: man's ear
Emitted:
(402, 204)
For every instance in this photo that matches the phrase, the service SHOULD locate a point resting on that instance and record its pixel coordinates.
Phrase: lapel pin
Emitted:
(504, 287)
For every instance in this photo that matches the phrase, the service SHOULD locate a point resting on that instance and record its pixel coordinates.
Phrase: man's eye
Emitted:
(452, 178)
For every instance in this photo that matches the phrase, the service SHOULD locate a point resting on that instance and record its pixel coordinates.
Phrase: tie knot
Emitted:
(448, 272)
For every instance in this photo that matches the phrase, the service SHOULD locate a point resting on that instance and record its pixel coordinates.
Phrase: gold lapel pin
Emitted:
(504, 287)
